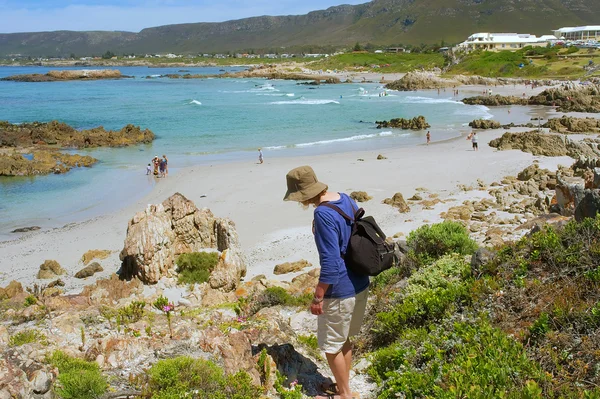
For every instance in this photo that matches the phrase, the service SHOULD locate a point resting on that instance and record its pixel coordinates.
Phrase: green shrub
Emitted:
(77, 378)
(27, 337)
(30, 300)
(456, 360)
(178, 377)
(274, 296)
(309, 340)
(131, 313)
(541, 326)
(430, 293)
(429, 243)
(572, 50)
(293, 392)
(196, 267)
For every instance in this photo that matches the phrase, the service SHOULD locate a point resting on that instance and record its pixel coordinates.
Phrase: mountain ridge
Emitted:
(383, 22)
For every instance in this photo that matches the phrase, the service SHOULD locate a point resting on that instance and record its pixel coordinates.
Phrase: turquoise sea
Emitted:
(199, 121)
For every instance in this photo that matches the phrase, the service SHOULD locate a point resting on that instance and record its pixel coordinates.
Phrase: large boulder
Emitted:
(157, 235)
(569, 193)
(551, 145)
(89, 270)
(95, 254)
(589, 205)
(50, 269)
(416, 123)
(397, 201)
(13, 289)
(291, 267)
(24, 378)
(484, 124)
(569, 124)
(360, 196)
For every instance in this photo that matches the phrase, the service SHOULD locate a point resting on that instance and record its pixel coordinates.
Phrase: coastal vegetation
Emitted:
(195, 267)
(530, 62)
(515, 319)
(384, 63)
(522, 324)
(177, 377)
(78, 379)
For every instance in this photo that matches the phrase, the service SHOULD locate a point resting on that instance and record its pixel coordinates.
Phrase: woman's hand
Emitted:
(316, 308)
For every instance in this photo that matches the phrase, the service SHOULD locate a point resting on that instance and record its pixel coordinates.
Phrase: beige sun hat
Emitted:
(302, 184)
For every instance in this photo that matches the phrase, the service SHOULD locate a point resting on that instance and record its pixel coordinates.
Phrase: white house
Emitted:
(504, 41)
(591, 32)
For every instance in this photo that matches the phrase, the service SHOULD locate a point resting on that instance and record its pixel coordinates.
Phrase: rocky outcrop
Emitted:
(397, 201)
(54, 76)
(569, 124)
(461, 212)
(420, 80)
(360, 196)
(416, 123)
(535, 172)
(291, 267)
(484, 124)
(50, 269)
(111, 290)
(42, 163)
(550, 145)
(21, 377)
(495, 100)
(589, 206)
(582, 99)
(95, 254)
(89, 270)
(62, 135)
(13, 289)
(157, 235)
(26, 229)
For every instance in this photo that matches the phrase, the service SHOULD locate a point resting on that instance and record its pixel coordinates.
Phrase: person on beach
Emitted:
(474, 141)
(340, 297)
(156, 164)
(428, 135)
(166, 165)
(148, 169)
(162, 164)
(260, 156)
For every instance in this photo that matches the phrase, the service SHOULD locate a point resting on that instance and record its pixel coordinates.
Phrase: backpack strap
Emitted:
(338, 210)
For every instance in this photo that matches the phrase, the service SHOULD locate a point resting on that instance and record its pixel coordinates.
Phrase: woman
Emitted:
(166, 165)
(340, 297)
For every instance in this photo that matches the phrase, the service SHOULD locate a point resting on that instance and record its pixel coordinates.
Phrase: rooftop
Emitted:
(578, 28)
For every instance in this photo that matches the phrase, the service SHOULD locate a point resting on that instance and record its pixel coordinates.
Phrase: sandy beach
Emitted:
(272, 231)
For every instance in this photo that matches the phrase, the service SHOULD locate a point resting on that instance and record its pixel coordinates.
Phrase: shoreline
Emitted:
(273, 232)
(270, 230)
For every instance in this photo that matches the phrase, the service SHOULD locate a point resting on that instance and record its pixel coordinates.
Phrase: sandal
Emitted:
(332, 389)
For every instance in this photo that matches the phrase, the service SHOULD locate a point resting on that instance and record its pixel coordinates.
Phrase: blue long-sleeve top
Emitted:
(332, 233)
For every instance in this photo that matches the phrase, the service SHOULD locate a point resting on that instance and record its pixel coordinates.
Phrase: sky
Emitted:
(134, 15)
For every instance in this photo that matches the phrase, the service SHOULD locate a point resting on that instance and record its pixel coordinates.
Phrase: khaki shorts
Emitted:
(341, 319)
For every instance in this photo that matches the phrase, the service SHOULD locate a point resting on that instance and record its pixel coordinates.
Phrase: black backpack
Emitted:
(368, 252)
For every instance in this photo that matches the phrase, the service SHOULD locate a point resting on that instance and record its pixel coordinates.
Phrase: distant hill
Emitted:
(379, 22)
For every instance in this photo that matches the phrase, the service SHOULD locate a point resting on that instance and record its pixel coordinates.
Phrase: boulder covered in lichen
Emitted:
(416, 123)
(484, 124)
(61, 135)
